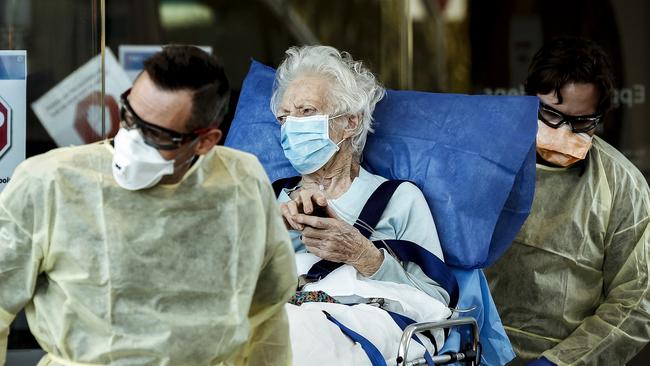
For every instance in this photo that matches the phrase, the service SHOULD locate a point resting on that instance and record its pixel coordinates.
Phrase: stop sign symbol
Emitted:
(5, 127)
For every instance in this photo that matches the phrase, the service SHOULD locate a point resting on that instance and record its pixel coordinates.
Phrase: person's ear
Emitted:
(207, 141)
(352, 126)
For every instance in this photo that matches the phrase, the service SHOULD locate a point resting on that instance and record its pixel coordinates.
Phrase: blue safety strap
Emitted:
(431, 265)
(375, 206)
(290, 182)
(403, 322)
(373, 353)
(406, 251)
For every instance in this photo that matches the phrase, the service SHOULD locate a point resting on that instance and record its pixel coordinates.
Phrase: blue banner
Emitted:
(134, 60)
(12, 67)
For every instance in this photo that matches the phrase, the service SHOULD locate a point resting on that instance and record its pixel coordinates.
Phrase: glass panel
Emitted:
(504, 39)
(58, 37)
(404, 42)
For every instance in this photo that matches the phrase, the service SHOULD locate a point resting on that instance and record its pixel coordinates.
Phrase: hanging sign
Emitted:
(13, 101)
(71, 112)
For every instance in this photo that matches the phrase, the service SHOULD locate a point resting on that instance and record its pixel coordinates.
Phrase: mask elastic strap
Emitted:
(191, 159)
(321, 187)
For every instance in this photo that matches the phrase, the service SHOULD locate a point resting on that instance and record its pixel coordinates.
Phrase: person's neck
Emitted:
(335, 178)
(179, 172)
(540, 160)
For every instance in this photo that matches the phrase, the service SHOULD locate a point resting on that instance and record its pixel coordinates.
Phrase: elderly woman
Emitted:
(324, 101)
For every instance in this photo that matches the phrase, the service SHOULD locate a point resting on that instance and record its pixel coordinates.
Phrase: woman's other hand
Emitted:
(335, 240)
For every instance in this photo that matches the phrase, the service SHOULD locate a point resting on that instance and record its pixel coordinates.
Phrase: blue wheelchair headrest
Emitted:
(472, 156)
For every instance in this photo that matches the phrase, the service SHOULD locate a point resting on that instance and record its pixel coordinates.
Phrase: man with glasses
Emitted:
(156, 248)
(574, 289)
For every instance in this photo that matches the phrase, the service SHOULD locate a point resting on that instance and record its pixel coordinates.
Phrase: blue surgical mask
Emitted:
(306, 142)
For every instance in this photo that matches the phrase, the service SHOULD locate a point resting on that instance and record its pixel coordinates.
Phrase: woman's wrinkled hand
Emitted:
(302, 202)
(335, 240)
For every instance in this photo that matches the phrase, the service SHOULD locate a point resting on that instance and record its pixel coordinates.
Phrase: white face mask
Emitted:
(137, 165)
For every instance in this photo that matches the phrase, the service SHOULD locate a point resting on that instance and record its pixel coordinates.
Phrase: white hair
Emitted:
(355, 90)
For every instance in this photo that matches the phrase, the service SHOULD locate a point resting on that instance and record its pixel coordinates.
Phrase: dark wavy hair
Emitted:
(571, 60)
(179, 67)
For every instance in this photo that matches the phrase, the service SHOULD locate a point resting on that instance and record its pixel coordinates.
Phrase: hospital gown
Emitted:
(574, 285)
(408, 289)
(194, 273)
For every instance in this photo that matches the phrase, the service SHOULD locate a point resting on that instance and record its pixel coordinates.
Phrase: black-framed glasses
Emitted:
(554, 118)
(155, 136)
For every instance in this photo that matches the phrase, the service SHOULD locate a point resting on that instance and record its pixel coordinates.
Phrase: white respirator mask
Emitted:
(137, 165)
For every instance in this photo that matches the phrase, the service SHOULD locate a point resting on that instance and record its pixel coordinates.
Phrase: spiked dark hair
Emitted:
(179, 67)
(571, 60)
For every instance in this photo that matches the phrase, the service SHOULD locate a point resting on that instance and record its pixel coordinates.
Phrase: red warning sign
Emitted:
(5, 126)
(87, 120)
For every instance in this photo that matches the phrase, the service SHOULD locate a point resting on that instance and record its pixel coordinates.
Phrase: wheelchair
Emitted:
(473, 157)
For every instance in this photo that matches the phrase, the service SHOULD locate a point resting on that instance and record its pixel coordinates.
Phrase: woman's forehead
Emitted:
(311, 88)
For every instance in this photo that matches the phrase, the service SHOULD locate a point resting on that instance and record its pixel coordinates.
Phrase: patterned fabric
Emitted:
(301, 297)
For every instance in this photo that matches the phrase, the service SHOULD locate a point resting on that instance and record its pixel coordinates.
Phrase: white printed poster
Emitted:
(13, 108)
(71, 111)
(132, 57)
